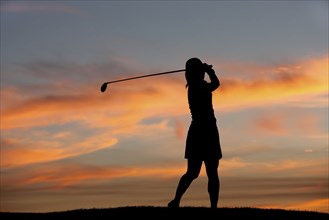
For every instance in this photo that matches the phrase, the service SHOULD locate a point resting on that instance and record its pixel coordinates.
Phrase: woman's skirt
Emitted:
(202, 141)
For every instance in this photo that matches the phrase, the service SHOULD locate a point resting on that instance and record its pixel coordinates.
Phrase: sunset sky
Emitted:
(66, 145)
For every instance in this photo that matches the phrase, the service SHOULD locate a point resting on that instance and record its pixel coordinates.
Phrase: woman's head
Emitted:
(194, 71)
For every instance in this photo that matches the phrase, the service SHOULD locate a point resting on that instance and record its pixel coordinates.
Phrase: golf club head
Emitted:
(104, 86)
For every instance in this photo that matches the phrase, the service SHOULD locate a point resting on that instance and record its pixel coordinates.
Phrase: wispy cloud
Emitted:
(119, 111)
(120, 181)
(64, 92)
(273, 84)
(272, 124)
(180, 129)
(284, 122)
(51, 174)
(291, 167)
(28, 150)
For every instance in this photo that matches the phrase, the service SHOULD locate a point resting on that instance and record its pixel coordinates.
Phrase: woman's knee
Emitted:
(192, 175)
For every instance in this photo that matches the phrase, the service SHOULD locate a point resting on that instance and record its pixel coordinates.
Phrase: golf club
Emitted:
(104, 86)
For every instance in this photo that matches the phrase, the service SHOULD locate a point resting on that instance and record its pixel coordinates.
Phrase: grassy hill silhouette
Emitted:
(154, 212)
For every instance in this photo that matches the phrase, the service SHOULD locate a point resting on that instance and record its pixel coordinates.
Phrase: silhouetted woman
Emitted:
(202, 142)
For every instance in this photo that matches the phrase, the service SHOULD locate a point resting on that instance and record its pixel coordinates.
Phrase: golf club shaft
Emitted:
(137, 77)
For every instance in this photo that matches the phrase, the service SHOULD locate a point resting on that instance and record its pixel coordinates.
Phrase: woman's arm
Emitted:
(214, 81)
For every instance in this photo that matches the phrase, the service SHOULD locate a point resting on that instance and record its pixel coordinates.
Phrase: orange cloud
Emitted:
(294, 168)
(120, 102)
(27, 151)
(310, 166)
(120, 110)
(65, 177)
(55, 177)
(286, 122)
(276, 84)
(27, 156)
(308, 124)
(164, 97)
(180, 129)
(272, 124)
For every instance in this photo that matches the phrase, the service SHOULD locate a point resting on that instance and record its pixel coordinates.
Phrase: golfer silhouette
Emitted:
(202, 142)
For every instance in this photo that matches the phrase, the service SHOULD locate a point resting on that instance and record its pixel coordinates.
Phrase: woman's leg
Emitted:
(193, 170)
(213, 181)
